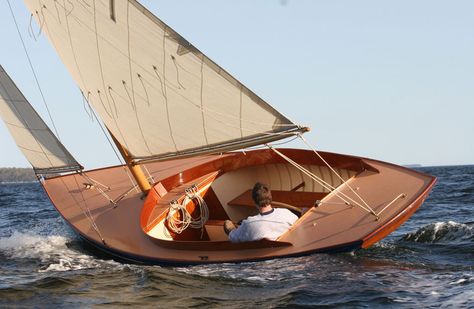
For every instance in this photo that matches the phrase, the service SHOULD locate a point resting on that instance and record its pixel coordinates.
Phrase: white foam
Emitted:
(443, 231)
(402, 299)
(50, 250)
(466, 279)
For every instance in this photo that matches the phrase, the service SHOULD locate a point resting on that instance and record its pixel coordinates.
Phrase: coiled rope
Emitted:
(179, 218)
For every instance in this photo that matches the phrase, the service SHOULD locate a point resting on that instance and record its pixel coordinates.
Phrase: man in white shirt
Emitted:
(270, 223)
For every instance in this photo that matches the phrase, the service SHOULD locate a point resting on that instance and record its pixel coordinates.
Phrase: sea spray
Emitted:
(442, 232)
(52, 252)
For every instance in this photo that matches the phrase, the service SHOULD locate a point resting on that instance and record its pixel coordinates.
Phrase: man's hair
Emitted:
(261, 194)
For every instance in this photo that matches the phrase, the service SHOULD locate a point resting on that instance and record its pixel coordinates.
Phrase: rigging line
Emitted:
(113, 101)
(273, 144)
(110, 143)
(250, 130)
(144, 88)
(258, 123)
(57, 11)
(227, 115)
(330, 167)
(166, 91)
(73, 50)
(100, 65)
(30, 28)
(177, 72)
(39, 19)
(131, 79)
(322, 182)
(113, 118)
(85, 105)
(240, 111)
(88, 100)
(161, 82)
(128, 94)
(137, 119)
(72, 8)
(202, 102)
(217, 119)
(127, 100)
(402, 195)
(33, 70)
(137, 64)
(93, 184)
(103, 105)
(84, 1)
(150, 176)
(129, 56)
(87, 213)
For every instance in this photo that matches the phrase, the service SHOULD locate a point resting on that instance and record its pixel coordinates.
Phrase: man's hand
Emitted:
(228, 226)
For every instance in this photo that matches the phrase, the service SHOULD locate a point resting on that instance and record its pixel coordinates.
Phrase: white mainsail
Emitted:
(156, 93)
(39, 145)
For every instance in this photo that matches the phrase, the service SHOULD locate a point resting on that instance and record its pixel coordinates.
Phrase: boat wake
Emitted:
(443, 232)
(51, 252)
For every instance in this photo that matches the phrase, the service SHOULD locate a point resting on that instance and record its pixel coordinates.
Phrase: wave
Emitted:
(52, 252)
(441, 232)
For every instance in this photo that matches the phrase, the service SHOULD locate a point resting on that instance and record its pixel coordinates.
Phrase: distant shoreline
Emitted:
(16, 175)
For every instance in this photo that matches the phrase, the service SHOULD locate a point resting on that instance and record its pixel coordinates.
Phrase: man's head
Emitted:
(261, 195)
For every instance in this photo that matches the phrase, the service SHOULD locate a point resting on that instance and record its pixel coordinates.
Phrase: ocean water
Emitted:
(427, 262)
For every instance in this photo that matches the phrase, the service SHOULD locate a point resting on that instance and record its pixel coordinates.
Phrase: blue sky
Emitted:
(391, 80)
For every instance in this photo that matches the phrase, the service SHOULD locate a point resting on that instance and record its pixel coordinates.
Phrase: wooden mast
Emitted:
(136, 170)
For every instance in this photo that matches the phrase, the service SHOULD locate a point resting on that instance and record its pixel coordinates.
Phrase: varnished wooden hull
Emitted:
(127, 227)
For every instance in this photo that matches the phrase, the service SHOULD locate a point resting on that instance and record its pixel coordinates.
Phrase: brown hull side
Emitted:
(397, 221)
(120, 226)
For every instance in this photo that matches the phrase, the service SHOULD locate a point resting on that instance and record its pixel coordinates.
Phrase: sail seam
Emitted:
(102, 71)
(129, 56)
(73, 51)
(240, 112)
(166, 91)
(202, 103)
(227, 115)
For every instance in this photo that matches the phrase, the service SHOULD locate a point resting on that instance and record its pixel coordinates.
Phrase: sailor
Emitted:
(270, 223)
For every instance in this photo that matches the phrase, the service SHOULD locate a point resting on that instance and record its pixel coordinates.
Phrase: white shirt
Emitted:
(269, 225)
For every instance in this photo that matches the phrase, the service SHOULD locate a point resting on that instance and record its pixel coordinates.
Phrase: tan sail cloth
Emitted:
(157, 94)
(39, 145)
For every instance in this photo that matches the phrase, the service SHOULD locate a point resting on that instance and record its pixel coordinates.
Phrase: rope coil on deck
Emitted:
(179, 218)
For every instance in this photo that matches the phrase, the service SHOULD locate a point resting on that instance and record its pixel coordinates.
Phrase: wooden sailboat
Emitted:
(180, 119)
